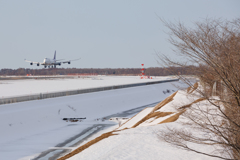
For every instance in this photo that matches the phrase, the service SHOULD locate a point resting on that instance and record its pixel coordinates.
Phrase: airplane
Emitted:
(47, 62)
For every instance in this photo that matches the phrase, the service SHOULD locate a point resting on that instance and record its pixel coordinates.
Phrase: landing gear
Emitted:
(53, 66)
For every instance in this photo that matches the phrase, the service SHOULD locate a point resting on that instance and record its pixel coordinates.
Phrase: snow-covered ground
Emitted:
(143, 142)
(11, 88)
(28, 128)
(135, 119)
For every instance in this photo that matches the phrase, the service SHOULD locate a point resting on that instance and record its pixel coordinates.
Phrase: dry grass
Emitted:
(157, 115)
(130, 119)
(85, 146)
(189, 105)
(152, 115)
(164, 102)
(172, 118)
(157, 107)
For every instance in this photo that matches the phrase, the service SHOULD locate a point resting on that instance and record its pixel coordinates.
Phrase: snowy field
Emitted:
(11, 88)
(29, 128)
(143, 142)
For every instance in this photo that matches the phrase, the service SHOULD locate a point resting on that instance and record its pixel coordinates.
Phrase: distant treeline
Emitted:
(153, 71)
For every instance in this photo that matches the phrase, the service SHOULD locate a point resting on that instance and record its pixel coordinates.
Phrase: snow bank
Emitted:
(136, 118)
(139, 143)
(143, 142)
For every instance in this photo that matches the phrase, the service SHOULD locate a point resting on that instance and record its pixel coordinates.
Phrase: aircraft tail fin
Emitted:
(54, 56)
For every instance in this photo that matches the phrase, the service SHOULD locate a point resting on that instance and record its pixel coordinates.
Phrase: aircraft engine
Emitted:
(69, 62)
(38, 64)
(31, 63)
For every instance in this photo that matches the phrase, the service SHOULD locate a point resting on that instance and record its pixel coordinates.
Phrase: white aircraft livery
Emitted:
(47, 62)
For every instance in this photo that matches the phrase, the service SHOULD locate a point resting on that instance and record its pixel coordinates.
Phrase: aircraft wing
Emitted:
(59, 59)
(31, 62)
(68, 61)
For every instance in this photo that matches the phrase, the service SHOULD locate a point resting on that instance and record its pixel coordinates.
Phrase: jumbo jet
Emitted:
(47, 62)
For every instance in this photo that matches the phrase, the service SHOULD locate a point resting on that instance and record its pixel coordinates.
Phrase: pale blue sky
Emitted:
(104, 33)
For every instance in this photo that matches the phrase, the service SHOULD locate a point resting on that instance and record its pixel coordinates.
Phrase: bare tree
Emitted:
(214, 47)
